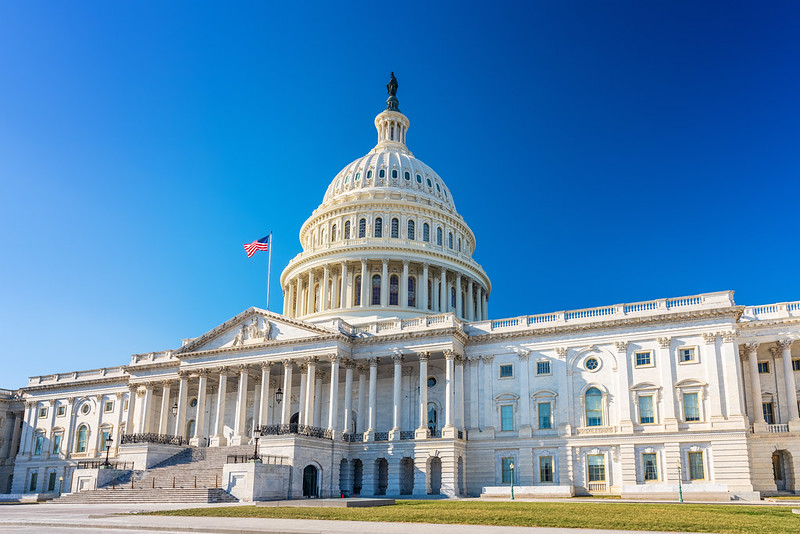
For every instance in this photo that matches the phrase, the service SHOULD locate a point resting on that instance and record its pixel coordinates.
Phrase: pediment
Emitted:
(252, 327)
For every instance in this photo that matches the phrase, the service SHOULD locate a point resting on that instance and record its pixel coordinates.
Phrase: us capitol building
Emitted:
(386, 376)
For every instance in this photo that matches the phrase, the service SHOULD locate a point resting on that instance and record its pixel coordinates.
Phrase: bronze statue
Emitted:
(391, 87)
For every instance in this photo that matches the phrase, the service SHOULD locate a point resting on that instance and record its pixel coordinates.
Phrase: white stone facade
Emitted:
(384, 375)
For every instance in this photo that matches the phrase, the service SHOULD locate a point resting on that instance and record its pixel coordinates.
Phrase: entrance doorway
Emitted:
(433, 420)
(782, 470)
(406, 476)
(358, 476)
(435, 475)
(310, 486)
(382, 476)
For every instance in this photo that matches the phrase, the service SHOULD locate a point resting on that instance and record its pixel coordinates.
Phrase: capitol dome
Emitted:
(388, 219)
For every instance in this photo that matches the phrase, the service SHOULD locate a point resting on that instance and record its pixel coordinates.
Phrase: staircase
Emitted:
(192, 475)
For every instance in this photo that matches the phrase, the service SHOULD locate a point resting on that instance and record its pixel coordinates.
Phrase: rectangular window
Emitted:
(125, 405)
(763, 368)
(34, 482)
(696, 469)
(109, 406)
(646, 413)
(506, 371)
(61, 411)
(545, 416)
(545, 469)
(57, 444)
(51, 481)
(597, 467)
(42, 412)
(505, 467)
(686, 355)
(650, 464)
(506, 418)
(104, 439)
(691, 408)
(795, 365)
(769, 412)
(644, 358)
(39, 444)
(543, 368)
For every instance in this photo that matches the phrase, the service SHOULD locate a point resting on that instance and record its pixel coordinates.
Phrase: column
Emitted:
(287, 392)
(423, 288)
(146, 403)
(385, 283)
(301, 409)
(459, 297)
(473, 391)
(27, 426)
(715, 389)
(434, 295)
(449, 430)
(311, 293)
(325, 275)
(664, 359)
(165, 407)
(98, 443)
(373, 398)
(394, 434)
(362, 398)
(298, 298)
(200, 419)
(348, 394)
(785, 345)
(422, 429)
(343, 290)
(470, 315)
(310, 393)
(364, 283)
(69, 433)
(459, 392)
(129, 425)
(732, 376)
(443, 291)
(404, 286)
(757, 414)
(180, 420)
(335, 291)
(485, 306)
(320, 377)
(17, 434)
(219, 439)
(264, 404)
(488, 397)
(479, 303)
(256, 405)
(286, 300)
(239, 435)
(333, 402)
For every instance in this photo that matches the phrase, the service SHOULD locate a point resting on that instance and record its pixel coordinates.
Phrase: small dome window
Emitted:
(347, 179)
(419, 179)
(394, 173)
(408, 175)
(429, 183)
(382, 173)
(369, 174)
(358, 176)
(338, 181)
(439, 189)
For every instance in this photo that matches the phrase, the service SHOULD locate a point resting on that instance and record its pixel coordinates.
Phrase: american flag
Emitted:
(258, 244)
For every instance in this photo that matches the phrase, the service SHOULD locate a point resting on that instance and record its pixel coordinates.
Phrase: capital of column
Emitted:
(710, 338)
(729, 337)
(243, 368)
(622, 346)
(224, 370)
(561, 352)
(361, 368)
(405, 263)
(303, 368)
(775, 351)
(348, 363)
(311, 360)
(784, 344)
(148, 386)
(424, 356)
(473, 360)
(287, 363)
(265, 365)
(449, 354)
(664, 342)
(487, 359)
(334, 358)
(119, 395)
(321, 375)
(166, 383)
(183, 375)
(523, 355)
(750, 348)
(131, 387)
(373, 362)
(205, 372)
(398, 359)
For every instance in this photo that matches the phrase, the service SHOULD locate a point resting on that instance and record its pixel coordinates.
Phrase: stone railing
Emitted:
(265, 459)
(99, 464)
(90, 374)
(596, 430)
(779, 310)
(604, 313)
(163, 439)
(294, 428)
(777, 429)
(394, 326)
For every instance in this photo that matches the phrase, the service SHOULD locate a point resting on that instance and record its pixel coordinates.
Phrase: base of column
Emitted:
(335, 434)
(449, 431)
(671, 424)
(525, 431)
(760, 428)
(486, 432)
(239, 440)
(421, 433)
(794, 426)
(626, 427)
(394, 435)
(369, 435)
(196, 442)
(218, 441)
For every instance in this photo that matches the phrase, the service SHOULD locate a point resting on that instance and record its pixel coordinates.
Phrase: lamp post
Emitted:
(680, 488)
(512, 480)
(109, 441)
(175, 410)
(256, 436)
(60, 484)
(279, 395)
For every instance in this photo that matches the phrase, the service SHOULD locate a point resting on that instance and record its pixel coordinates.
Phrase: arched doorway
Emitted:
(293, 422)
(381, 476)
(190, 429)
(310, 486)
(435, 475)
(345, 480)
(406, 476)
(782, 470)
(358, 476)
(433, 419)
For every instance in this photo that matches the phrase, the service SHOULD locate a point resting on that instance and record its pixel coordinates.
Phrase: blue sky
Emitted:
(602, 152)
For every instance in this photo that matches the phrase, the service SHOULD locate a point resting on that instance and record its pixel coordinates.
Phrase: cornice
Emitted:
(268, 344)
(120, 380)
(766, 323)
(456, 333)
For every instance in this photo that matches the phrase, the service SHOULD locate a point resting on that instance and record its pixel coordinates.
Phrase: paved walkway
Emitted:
(96, 519)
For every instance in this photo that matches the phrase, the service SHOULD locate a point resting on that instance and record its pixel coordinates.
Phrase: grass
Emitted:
(634, 516)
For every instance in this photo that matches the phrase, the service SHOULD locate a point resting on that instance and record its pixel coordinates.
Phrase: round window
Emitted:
(431, 381)
(193, 402)
(85, 409)
(592, 364)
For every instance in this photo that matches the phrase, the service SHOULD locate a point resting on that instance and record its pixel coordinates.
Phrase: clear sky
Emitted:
(602, 152)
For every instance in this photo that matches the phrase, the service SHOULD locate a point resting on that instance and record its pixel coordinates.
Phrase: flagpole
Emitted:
(269, 267)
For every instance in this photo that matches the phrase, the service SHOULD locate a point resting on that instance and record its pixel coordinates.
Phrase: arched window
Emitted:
(453, 298)
(357, 290)
(362, 228)
(594, 407)
(430, 292)
(433, 422)
(334, 235)
(316, 297)
(411, 230)
(83, 437)
(322, 240)
(376, 290)
(395, 228)
(450, 240)
(347, 229)
(394, 173)
(426, 232)
(459, 242)
(382, 173)
(190, 426)
(439, 236)
(412, 292)
(394, 286)
(378, 227)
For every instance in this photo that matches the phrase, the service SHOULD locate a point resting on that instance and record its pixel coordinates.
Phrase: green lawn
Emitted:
(633, 516)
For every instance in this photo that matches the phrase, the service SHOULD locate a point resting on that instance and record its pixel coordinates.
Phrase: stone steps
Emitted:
(121, 496)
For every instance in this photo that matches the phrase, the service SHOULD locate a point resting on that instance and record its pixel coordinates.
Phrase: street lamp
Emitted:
(279, 395)
(60, 484)
(175, 409)
(680, 488)
(109, 441)
(511, 466)
(256, 436)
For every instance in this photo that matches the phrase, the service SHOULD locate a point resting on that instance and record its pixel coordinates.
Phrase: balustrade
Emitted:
(164, 439)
